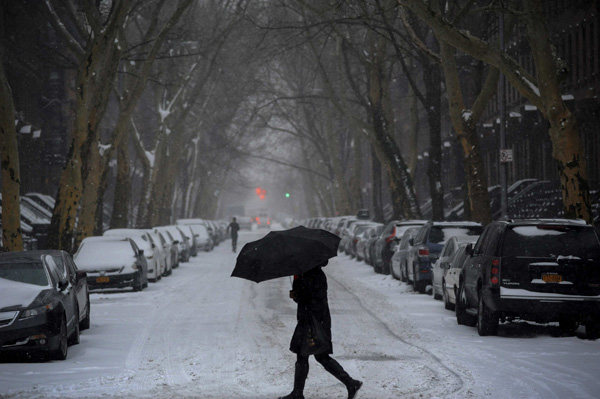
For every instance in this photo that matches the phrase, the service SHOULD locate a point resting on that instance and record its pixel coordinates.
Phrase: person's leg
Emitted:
(300, 374)
(335, 369)
(234, 242)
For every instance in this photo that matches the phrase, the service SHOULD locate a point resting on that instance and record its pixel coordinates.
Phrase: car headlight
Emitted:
(37, 311)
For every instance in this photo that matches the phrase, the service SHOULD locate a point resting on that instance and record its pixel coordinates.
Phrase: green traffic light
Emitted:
(287, 195)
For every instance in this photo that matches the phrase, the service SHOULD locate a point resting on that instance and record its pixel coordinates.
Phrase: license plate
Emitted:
(552, 278)
(102, 279)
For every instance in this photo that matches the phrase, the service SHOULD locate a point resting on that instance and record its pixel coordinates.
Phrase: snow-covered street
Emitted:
(201, 334)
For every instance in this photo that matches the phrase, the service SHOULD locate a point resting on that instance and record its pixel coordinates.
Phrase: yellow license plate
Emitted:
(552, 278)
(102, 279)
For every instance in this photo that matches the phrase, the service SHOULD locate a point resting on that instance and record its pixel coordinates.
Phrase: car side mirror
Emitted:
(81, 275)
(469, 249)
(63, 284)
(176, 242)
(141, 252)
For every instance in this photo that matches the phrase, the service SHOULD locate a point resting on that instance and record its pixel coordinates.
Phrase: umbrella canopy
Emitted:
(285, 253)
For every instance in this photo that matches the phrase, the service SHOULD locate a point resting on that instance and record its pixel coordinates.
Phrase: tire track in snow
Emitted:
(443, 380)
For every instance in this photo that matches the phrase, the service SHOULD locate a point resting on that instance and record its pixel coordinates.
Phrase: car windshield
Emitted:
(551, 242)
(25, 272)
(441, 234)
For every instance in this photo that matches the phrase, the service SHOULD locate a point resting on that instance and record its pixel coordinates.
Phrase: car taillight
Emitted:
(495, 272)
(390, 238)
(424, 252)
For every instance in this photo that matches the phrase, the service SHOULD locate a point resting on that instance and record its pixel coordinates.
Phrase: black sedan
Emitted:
(38, 310)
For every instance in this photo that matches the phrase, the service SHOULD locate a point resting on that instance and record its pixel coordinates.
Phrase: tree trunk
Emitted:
(122, 198)
(464, 125)
(433, 94)
(12, 239)
(566, 143)
(376, 188)
(546, 96)
(403, 197)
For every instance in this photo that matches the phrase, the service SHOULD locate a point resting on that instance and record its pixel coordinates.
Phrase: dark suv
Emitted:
(427, 245)
(538, 270)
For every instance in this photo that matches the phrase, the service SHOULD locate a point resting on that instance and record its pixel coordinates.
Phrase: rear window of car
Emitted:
(441, 234)
(29, 273)
(546, 241)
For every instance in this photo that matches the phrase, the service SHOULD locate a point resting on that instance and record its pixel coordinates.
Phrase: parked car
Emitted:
(357, 233)
(112, 262)
(78, 280)
(362, 244)
(144, 242)
(428, 244)
(38, 309)
(173, 248)
(442, 264)
(450, 286)
(370, 244)
(537, 270)
(189, 234)
(402, 254)
(179, 238)
(164, 252)
(202, 238)
(390, 236)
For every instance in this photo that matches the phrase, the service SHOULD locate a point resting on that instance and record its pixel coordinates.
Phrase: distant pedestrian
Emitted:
(310, 292)
(234, 227)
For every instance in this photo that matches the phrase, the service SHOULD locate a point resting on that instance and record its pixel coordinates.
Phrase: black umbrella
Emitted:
(285, 253)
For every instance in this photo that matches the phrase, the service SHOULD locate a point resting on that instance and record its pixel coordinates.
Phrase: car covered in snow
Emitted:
(144, 242)
(38, 308)
(112, 262)
(541, 270)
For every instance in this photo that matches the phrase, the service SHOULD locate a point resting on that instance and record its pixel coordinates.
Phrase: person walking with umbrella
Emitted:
(309, 290)
(301, 252)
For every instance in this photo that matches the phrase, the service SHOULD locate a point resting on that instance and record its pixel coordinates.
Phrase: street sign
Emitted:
(506, 155)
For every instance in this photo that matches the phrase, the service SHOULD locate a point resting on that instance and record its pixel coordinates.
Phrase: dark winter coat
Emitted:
(234, 227)
(310, 290)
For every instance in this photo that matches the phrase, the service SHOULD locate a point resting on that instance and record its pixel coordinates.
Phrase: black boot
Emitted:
(299, 379)
(335, 369)
(353, 388)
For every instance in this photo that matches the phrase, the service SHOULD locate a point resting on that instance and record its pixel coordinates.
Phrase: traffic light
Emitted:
(287, 195)
(261, 192)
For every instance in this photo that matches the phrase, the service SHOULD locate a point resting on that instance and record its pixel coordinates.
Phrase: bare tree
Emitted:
(542, 90)
(12, 239)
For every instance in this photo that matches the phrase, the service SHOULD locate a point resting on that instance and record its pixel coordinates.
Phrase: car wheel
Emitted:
(377, 268)
(137, 283)
(592, 329)
(436, 295)
(567, 325)
(447, 304)
(487, 320)
(462, 317)
(394, 275)
(60, 353)
(85, 323)
(74, 339)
